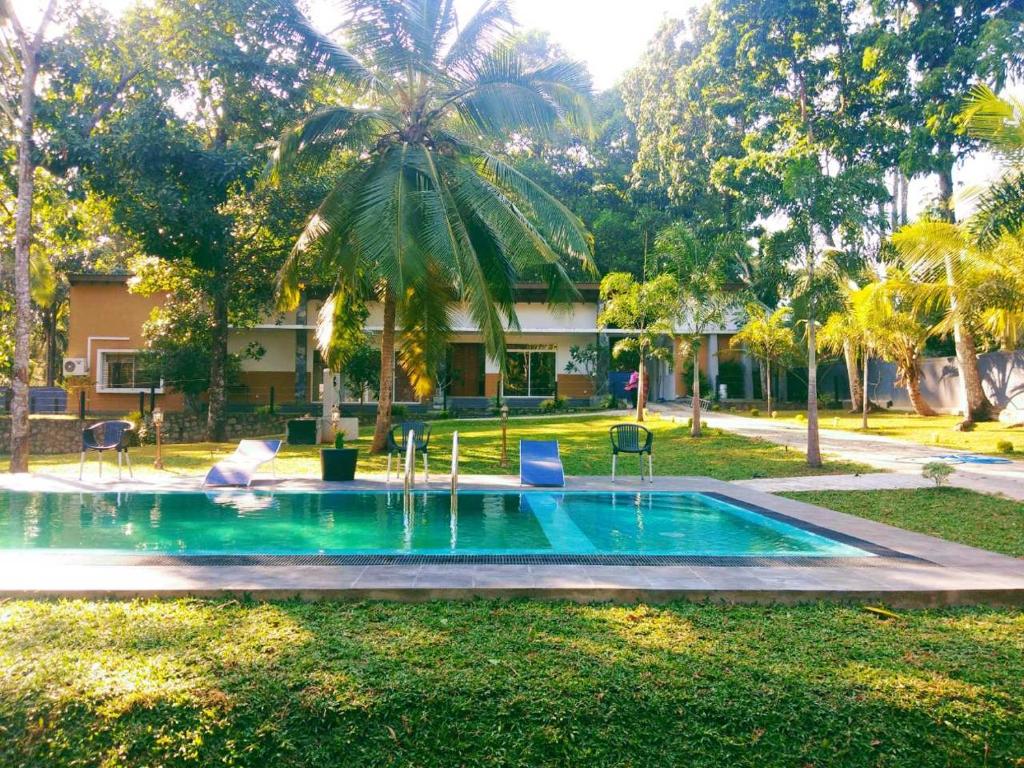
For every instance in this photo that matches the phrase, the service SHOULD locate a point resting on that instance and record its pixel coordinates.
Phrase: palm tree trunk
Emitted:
(975, 406)
(853, 375)
(865, 400)
(387, 375)
(813, 444)
(22, 242)
(768, 387)
(912, 380)
(695, 424)
(216, 416)
(641, 383)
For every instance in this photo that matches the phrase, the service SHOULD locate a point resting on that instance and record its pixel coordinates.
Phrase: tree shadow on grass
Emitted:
(504, 683)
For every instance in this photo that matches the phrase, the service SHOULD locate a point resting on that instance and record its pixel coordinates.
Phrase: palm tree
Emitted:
(898, 331)
(768, 336)
(699, 265)
(647, 311)
(951, 272)
(999, 123)
(425, 216)
(847, 332)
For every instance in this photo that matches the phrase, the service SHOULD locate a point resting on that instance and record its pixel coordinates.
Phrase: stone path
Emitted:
(898, 457)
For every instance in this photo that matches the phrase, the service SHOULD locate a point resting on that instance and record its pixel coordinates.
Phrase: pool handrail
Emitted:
(410, 470)
(455, 472)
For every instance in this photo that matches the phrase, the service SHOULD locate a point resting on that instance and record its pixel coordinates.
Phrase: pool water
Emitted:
(362, 523)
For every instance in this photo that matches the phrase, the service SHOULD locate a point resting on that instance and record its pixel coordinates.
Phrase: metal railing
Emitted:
(454, 522)
(409, 480)
(687, 402)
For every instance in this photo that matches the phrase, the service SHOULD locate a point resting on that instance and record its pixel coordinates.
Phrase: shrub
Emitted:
(1004, 446)
(716, 407)
(775, 414)
(754, 412)
(399, 412)
(551, 405)
(611, 401)
(937, 471)
(800, 417)
(339, 440)
(263, 410)
(443, 414)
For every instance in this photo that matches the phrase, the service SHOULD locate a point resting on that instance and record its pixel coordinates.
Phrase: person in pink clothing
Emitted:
(632, 387)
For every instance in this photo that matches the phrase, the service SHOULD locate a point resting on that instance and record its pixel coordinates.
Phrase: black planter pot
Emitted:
(338, 464)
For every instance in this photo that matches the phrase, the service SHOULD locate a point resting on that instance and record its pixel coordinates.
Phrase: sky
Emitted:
(609, 36)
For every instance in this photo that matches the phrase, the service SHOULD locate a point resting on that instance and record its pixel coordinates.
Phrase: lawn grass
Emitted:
(195, 683)
(584, 445)
(926, 430)
(955, 514)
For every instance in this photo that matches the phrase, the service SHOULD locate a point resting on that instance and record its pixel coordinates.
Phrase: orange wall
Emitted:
(108, 309)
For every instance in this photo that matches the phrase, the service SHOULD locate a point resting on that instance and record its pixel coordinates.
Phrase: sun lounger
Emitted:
(240, 466)
(540, 464)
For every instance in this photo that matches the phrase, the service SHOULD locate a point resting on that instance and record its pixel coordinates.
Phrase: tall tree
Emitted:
(208, 87)
(426, 217)
(29, 44)
(700, 266)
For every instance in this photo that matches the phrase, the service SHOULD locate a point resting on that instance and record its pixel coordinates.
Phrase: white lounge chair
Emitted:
(240, 466)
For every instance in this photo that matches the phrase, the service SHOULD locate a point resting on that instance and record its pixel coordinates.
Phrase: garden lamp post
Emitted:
(504, 436)
(158, 422)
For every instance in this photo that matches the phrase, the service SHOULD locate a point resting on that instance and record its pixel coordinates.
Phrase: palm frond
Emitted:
(994, 120)
(331, 128)
(1000, 209)
(324, 51)
(425, 311)
(492, 22)
(503, 95)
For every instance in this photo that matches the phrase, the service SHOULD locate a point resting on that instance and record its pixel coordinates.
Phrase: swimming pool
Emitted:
(353, 524)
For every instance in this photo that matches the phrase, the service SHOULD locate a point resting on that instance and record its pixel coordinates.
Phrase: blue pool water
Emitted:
(367, 523)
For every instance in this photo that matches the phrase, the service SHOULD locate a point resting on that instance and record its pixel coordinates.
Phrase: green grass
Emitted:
(926, 430)
(956, 514)
(583, 438)
(193, 683)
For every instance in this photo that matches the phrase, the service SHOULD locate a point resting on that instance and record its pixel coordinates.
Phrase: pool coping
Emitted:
(931, 571)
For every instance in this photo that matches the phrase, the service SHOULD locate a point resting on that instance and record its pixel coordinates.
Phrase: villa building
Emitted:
(105, 337)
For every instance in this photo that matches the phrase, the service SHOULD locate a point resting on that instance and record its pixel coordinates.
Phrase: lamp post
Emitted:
(504, 436)
(158, 422)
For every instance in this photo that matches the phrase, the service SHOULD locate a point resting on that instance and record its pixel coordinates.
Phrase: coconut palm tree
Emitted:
(941, 257)
(425, 216)
(768, 336)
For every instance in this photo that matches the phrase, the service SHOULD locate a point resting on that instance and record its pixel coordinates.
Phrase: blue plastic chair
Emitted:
(632, 438)
(107, 436)
(421, 439)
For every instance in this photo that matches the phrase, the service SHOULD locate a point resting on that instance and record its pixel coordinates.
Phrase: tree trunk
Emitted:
(695, 425)
(216, 415)
(850, 356)
(975, 404)
(50, 320)
(813, 446)
(865, 400)
(641, 383)
(912, 381)
(22, 244)
(387, 375)
(768, 387)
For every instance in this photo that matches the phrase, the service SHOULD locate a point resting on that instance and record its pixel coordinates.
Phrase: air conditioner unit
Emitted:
(74, 366)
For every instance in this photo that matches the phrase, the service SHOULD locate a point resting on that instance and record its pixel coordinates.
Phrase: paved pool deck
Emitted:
(932, 573)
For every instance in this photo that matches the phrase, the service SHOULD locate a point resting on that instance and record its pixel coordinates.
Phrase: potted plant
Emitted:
(338, 463)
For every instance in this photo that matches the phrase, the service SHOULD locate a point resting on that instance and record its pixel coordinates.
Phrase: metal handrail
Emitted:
(410, 471)
(455, 472)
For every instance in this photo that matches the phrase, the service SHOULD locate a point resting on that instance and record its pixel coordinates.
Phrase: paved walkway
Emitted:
(895, 456)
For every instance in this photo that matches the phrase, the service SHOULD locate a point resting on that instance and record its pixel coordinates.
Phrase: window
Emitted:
(123, 372)
(529, 373)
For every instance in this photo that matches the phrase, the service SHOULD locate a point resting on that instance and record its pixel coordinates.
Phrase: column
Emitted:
(748, 376)
(713, 363)
(301, 352)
